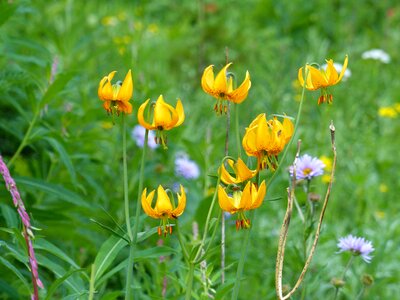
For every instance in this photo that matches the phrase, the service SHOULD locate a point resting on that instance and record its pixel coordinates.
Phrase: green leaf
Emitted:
(7, 289)
(52, 288)
(8, 265)
(43, 244)
(57, 86)
(107, 253)
(113, 295)
(224, 289)
(7, 9)
(155, 252)
(9, 215)
(65, 159)
(55, 190)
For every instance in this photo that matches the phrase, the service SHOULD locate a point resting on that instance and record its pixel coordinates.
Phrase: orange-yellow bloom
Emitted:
(221, 86)
(250, 198)
(164, 207)
(165, 117)
(266, 139)
(116, 97)
(242, 172)
(322, 79)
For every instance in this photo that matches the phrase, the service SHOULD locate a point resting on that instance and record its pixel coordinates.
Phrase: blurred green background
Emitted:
(52, 57)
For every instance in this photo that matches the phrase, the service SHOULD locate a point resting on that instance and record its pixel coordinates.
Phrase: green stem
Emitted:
(24, 140)
(124, 162)
(91, 284)
(129, 273)
(240, 268)
(239, 151)
(189, 282)
(344, 275)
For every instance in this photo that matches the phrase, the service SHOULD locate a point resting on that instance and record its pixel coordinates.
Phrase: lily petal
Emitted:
(181, 203)
(258, 196)
(240, 94)
(181, 114)
(146, 204)
(163, 204)
(346, 60)
(207, 80)
(126, 90)
(141, 119)
(224, 201)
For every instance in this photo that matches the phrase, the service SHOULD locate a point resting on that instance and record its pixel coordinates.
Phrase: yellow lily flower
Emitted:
(164, 207)
(322, 79)
(165, 117)
(116, 97)
(250, 198)
(242, 172)
(266, 139)
(221, 87)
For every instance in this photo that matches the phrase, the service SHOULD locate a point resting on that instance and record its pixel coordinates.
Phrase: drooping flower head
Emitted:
(241, 172)
(357, 246)
(322, 79)
(240, 201)
(138, 134)
(164, 208)
(221, 87)
(165, 117)
(116, 97)
(308, 167)
(186, 167)
(266, 139)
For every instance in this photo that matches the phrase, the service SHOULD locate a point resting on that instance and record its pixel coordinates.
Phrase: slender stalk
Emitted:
(189, 283)
(239, 149)
(349, 263)
(25, 139)
(91, 284)
(125, 174)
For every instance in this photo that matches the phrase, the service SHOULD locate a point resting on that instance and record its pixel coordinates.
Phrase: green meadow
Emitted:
(81, 170)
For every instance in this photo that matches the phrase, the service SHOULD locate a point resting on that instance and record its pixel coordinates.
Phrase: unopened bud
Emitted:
(314, 197)
(367, 280)
(337, 282)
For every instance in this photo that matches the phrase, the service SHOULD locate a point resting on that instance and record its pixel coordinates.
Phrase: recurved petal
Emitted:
(146, 204)
(316, 79)
(258, 196)
(100, 88)
(207, 80)
(163, 204)
(346, 60)
(300, 76)
(243, 172)
(225, 176)
(220, 83)
(224, 201)
(141, 118)
(246, 199)
(240, 94)
(288, 129)
(125, 107)
(165, 115)
(126, 90)
(331, 73)
(105, 88)
(181, 203)
(181, 113)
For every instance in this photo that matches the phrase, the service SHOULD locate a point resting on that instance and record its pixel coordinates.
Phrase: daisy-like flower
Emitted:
(308, 167)
(186, 167)
(116, 97)
(221, 87)
(241, 172)
(239, 201)
(322, 79)
(165, 117)
(138, 134)
(164, 208)
(265, 139)
(376, 54)
(357, 246)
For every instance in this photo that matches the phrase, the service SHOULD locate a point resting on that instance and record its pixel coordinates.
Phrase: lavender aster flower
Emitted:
(357, 246)
(138, 134)
(27, 228)
(308, 167)
(186, 168)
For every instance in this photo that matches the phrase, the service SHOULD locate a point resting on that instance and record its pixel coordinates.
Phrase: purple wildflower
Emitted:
(186, 168)
(308, 167)
(27, 228)
(138, 134)
(357, 246)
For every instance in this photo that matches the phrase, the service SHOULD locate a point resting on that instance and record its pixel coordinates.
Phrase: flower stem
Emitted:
(25, 139)
(91, 284)
(239, 151)
(349, 263)
(125, 174)
(189, 282)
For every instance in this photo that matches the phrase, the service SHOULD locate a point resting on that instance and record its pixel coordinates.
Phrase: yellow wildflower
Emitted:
(250, 198)
(242, 172)
(322, 79)
(221, 87)
(116, 97)
(164, 207)
(266, 139)
(387, 112)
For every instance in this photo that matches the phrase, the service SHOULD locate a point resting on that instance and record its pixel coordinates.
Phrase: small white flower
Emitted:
(377, 54)
(138, 133)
